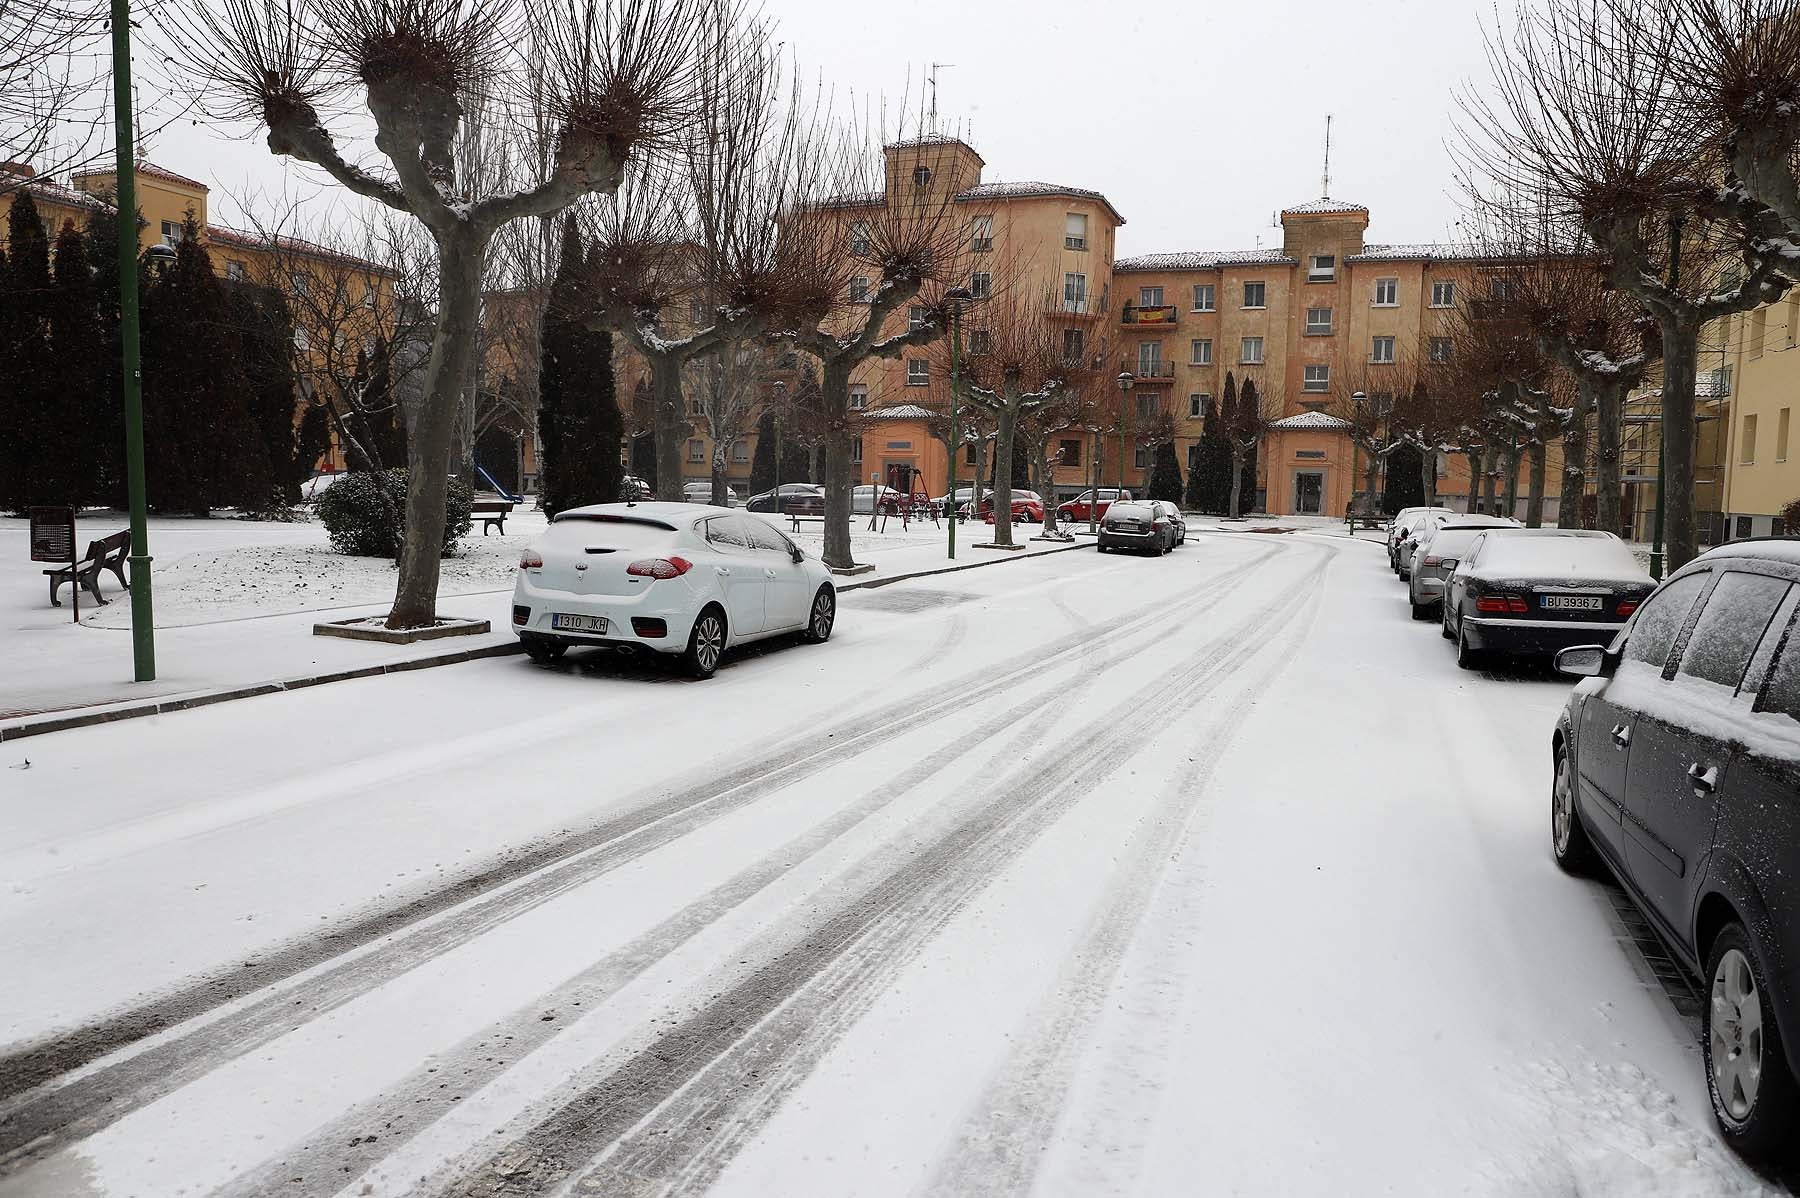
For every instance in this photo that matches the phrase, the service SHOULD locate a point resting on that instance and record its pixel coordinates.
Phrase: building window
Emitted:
(1075, 292)
(1440, 349)
(1318, 322)
(1387, 293)
(981, 284)
(1443, 293)
(1150, 297)
(921, 176)
(302, 284)
(969, 454)
(1075, 231)
(859, 239)
(1149, 404)
(1318, 378)
(1250, 352)
(1141, 458)
(1781, 434)
(695, 406)
(234, 270)
(859, 289)
(1071, 345)
(1069, 453)
(1743, 526)
(302, 342)
(1322, 269)
(1197, 405)
(981, 234)
(1200, 352)
(1747, 451)
(856, 452)
(1381, 349)
(1150, 358)
(1759, 328)
(371, 293)
(696, 452)
(859, 396)
(1500, 289)
(918, 372)
(915, 318)
(740, 450)
(981, 341)
(1254, 294)
(172, 232)
(1203, 297)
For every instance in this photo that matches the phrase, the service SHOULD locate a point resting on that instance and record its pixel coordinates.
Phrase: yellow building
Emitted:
(1750, 381)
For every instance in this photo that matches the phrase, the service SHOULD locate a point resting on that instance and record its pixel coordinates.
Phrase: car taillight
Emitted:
(531, 560)
(1430, 562)
(1627, 606)
(521, 613)
(1501, 604)
(660, 567)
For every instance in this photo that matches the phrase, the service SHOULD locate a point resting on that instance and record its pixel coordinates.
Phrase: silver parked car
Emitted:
(700, 491)
(1436, 555)
(1405, 520)
(1426, 523)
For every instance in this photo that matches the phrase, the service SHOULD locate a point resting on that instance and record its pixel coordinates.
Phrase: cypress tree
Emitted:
(1165, 474)
(1405, 488)
(762, 461)
(76, 473)
(579, 425)
(265, 331)
(311, 439)
(109, 428)
(31, 446)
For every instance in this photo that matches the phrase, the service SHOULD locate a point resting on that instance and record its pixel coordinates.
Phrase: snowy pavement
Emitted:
(1087, 875)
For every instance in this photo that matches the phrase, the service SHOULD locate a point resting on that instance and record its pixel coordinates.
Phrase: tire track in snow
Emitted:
(728, 1065)
(1011, 1124)
(328, 971)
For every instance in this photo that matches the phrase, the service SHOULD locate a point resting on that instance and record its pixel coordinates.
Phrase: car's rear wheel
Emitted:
(822, 616)
(544, 651)
(1467, 657)
(1420, 611)
(1754, 1097)
(1568, 835)
(706, 643)
(1444, 627)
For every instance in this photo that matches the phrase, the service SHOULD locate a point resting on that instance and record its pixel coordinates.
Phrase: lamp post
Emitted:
(143, 624)
(955, 298)
(1126, 382)
(1357, 399)
(780, 390)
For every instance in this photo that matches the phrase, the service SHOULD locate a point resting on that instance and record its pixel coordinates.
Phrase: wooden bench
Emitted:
(1356, 519)
(492, 513)
(108, 553)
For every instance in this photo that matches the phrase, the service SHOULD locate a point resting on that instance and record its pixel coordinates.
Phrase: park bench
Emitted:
(108, 553)
(1363, 519)
(492, 513)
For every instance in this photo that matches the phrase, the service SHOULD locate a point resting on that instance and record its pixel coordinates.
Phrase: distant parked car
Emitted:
(1137, 526)
(1437, 555)
(1077, 509)
(1677, 763)
(1405, 520)
(1027, 507)
(797, 499)
(700, 491)
(946, 504)
(1172, 513)
(863, 499)
(318, 484)
(1531, 591)
(1424, 524)
(666, 577)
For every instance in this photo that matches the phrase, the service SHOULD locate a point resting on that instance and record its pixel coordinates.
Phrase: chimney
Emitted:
(23, 170)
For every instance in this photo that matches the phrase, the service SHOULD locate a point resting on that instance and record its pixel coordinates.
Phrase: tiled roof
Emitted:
(151, 170)
(900, 411)
(932, 139)
(1324, 204)
(1204, 260)
(223, 237)
(1315, 421)
(1437, 251)
(981, 191)
(51, 192)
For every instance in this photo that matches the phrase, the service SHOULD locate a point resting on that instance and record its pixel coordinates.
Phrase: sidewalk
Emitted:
(236, 601)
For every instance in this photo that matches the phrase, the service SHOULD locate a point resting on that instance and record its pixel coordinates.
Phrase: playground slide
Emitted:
(498, 489)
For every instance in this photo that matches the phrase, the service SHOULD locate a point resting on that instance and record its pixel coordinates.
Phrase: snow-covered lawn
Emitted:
(1086, 875)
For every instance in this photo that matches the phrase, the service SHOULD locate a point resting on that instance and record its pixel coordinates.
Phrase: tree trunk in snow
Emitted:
(1681, 537)
(1490, 469)
(1571, 512)
(1509, 461)
(719, 485)
(1003, 454)
(666, 395)
(1428, 476)
(1609, 406)
(1370, 475)
(1237, 478)
(1534, 493)
(428, 449)
(835, 395)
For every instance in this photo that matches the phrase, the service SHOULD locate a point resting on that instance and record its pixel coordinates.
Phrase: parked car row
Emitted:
(1676, 762)
(1153, 526)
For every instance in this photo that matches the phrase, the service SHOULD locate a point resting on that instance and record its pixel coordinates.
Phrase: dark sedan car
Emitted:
(797, 499)
(1527, 592)
(1677, 762)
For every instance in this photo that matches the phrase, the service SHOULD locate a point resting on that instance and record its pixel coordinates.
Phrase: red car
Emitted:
(1027, 508)
(1076, 509)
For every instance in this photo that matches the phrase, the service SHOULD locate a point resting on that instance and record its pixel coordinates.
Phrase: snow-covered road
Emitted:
(1080, 875)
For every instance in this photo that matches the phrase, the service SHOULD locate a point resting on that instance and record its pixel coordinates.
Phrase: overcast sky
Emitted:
(1198, 120)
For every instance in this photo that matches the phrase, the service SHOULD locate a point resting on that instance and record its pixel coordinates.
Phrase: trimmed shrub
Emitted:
(365, 513)
(1790, 519)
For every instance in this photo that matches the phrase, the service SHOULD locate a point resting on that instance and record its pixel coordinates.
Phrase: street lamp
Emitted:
(956, 297)
(780, 390)
(143, 634)
(1126, 382)
(1357, 399)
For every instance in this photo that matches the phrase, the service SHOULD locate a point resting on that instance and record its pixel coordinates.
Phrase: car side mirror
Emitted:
(1584, 661)
(795, 553)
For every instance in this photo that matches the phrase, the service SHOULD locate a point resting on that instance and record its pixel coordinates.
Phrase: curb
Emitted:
(41, 727)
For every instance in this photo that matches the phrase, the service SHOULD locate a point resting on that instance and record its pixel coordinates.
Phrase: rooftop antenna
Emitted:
(935, 67)
(1325, 179)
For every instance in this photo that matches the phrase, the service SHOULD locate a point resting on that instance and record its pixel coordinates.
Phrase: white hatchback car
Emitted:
(669, 577)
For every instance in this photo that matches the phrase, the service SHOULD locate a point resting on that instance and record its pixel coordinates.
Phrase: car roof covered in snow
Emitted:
(652, 512)
(1775, 549)
(1558, 555)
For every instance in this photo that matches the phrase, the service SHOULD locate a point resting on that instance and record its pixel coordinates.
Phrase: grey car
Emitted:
(1435, 558)
(1176, 520)
(1136, 525)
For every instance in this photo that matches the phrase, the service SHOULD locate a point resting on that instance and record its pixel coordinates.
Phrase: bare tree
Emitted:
(48, 83)
(727, 387)
(617, 79)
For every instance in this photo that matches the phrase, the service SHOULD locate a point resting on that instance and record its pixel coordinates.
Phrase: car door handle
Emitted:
(721, 571)
(768, 573)
(1622, 735)
(1705, 780)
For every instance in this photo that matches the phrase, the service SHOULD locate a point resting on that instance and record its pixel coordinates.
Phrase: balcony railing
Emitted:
(1154, 371)
(1161, 314)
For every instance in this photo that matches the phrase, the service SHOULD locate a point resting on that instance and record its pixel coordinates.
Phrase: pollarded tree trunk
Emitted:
(720, 488)
(835, 396)
(666, 396)
(1680, 524)
(1534, 492)
(1005, 420)
(1237, 479)
(1490, 470)
(447, 377)
(1371, 474)
(1571, 511)
(1609, 410)
(1428, 476)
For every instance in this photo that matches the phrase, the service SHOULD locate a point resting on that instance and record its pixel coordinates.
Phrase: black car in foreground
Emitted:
(1527, 592)
(1677, 762)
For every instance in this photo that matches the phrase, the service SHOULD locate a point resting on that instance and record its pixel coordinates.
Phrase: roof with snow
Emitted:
(899, 411)
(225, 238)
(983, 191)
(1313, 421)
(1204, 260)
(1434, 251)
(49, 191)
(1322, 205)
(934, 139)
(148, 170)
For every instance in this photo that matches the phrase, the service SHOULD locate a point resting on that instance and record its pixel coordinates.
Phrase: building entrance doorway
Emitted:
(1309, 493)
